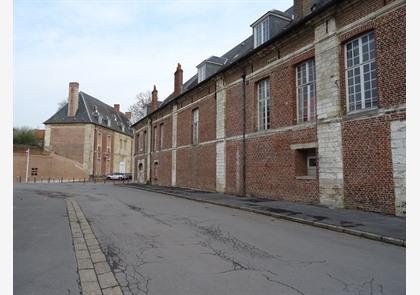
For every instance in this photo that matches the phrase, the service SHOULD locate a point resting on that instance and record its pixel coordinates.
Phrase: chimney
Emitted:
(117, 108)
(128, 115)
(178, 80)
(73, 99)
(154, 98)
(302, 8)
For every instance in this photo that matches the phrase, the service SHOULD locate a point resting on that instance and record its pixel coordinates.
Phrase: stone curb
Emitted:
(95, 275)
(362, 234)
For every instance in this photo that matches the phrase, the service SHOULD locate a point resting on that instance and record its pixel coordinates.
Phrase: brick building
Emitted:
(92, 133)
(309, 108)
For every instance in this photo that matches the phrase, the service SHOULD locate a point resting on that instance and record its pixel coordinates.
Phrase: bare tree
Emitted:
(62, 103)
(138, 109)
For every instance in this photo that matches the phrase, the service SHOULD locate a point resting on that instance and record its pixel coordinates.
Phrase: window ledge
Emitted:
(363, 112)
(305, 177)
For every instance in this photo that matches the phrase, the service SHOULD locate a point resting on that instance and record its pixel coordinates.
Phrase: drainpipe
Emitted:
(243, 134)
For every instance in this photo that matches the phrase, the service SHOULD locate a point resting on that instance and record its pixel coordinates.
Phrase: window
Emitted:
(155, 138)
(34, 171)
(108, 144)
(161, 127)
(261, 33)
(201, 73)
(305, 163)
(263, 92)
(195, 126)
(138, 143)
(361, 73)
(306, 99)
(144, 140)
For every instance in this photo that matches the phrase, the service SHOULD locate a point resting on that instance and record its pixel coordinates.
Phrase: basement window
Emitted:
(305, 163)
(34, 171)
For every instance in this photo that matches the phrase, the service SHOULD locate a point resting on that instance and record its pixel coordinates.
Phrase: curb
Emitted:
(336, 228)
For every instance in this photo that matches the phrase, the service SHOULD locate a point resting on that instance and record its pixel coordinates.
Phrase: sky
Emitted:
(116, 49)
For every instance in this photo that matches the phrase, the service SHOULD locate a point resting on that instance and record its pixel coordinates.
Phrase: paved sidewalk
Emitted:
(385, 228)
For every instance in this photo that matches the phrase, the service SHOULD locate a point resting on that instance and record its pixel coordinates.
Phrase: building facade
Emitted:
(92, 133)
(309, 108)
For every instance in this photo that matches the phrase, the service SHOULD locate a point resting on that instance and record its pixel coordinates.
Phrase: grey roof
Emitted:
(275, 12)
(214, 59)
(86, 114)
(247, 46)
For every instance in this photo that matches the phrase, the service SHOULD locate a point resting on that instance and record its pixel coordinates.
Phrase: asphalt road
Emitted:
(159, 244)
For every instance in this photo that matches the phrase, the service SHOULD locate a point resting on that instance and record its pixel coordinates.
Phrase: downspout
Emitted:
(243, 134)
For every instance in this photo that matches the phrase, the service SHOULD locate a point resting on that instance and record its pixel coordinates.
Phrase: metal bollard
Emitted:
(34, 179)
(84, 180)
(73, 179)
(49, 179)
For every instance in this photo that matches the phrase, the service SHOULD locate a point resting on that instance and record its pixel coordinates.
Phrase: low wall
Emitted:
(48, 165)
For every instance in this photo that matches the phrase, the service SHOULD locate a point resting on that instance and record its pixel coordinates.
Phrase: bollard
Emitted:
(84, 180)
(73, 179)
(34, 179)
(49, 179)
(104, 180)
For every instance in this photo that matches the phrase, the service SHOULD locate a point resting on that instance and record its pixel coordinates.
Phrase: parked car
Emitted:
(129, 176)
(116, 176)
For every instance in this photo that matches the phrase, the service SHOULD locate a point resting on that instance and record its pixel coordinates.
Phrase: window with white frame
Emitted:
(161, 133)
(201, 73)
(263, 92)
(261, 34)
(361, 73)
(306, 98)
(195, 126)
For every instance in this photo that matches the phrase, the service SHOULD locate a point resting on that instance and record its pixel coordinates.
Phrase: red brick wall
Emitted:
(367, 161)
(196, 167)
(164, 159)
(271, 167)
(68, 141)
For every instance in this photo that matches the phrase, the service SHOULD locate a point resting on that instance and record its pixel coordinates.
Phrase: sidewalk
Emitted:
(385, 228)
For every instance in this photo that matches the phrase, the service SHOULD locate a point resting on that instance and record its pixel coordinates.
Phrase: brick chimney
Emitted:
(117, 107)
(128, 115)
(154, 98)
(178, 80)
(73, 99)
(302, 8)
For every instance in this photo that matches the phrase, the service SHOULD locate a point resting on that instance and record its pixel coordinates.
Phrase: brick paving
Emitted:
(95, 274)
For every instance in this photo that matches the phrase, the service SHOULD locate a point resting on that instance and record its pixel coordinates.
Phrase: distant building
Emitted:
(309, 108)
(92, 133)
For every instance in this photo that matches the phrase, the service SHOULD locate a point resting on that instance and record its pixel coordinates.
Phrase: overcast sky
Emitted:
(116, 49)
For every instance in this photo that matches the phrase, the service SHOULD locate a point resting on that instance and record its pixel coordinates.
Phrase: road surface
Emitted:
(160, 244)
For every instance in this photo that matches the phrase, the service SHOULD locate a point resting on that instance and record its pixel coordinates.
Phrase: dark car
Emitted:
(128, 176)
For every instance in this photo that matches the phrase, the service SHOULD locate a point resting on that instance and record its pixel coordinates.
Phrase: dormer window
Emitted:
(269, 25)
(202, 73)
(209, 67)
(95, 111)
(261, 32)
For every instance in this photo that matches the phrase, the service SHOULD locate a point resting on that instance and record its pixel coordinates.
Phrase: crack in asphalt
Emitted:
(359, 289)
(283, 284)
(148, 215)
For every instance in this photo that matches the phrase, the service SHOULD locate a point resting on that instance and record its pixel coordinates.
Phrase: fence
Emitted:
(71, 180)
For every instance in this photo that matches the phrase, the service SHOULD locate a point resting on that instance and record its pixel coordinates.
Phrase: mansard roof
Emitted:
(92, 110)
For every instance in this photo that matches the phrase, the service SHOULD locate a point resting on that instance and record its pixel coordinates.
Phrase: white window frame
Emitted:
(305, 84)
(311, 170)
(201, 72)
(361, 67)
(195, 126)
(261, 32)
(263, 95)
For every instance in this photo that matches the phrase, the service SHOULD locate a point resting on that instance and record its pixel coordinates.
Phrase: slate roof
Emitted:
(86, 114)
(247, 46)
